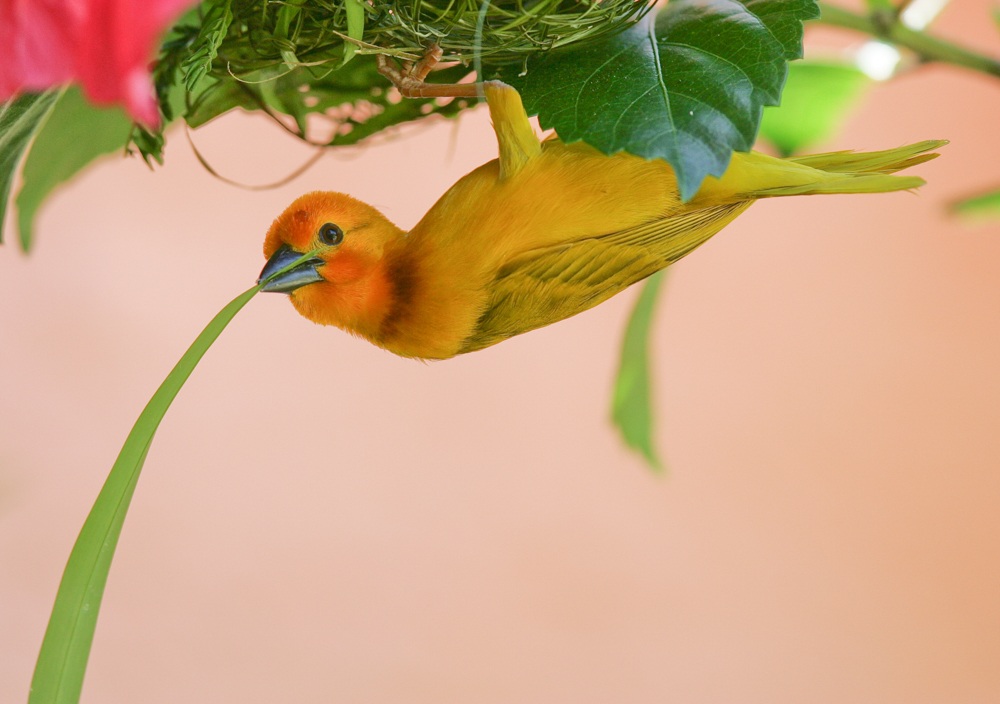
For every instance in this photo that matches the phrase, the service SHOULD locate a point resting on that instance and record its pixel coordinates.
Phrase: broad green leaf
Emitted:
(631, 408)
(686, 84)
(75, 134)
(981, 207)
(817, 99)
(62, 662)
(20, 119)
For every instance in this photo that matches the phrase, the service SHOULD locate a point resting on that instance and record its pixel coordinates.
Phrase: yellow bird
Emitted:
(542, 233)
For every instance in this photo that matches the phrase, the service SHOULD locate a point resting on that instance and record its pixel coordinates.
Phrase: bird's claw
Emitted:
(409, 79)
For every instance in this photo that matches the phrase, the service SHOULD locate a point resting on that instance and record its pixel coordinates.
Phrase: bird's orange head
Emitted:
(346, 282)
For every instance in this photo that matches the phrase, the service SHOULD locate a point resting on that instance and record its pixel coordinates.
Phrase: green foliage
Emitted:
(75, 134)
(817, 99)
(355, 98)
(982, 207)
(20, 119)
(686, 85)
(631, 405)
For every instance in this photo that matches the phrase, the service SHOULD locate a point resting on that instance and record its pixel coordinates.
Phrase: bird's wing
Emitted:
(515, 135)
(543, 286)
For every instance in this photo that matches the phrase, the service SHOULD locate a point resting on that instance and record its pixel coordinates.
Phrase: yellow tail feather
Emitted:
(884, 162)
(753, 175)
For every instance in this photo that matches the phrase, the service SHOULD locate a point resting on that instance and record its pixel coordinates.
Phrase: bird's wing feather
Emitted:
(543, 286)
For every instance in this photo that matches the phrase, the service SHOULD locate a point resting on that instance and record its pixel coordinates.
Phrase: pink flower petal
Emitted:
(106, 45)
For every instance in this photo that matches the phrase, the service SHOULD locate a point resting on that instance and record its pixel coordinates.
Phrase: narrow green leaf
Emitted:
(686, 84)
(817, 99)
(355, 26)
(287, 13)
(206, 46)
(982, 207)
(20, 118)
(631, 408)
(62, 661)
(75, 134)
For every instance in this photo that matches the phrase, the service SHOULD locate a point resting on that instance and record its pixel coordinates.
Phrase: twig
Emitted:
(925, 46)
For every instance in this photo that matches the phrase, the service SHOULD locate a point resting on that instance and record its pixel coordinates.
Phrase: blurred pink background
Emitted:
(319, 521)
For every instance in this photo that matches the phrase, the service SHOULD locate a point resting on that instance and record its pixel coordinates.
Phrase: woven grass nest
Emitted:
(265, 32)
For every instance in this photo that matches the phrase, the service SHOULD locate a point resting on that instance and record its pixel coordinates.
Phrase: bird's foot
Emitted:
(410, 79)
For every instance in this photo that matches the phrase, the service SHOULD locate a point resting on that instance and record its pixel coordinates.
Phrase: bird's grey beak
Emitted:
(297, 277)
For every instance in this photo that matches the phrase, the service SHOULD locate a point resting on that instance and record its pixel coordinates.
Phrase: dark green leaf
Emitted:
(75, 134)
(20, 118)
(816, 100)
(631, 408)
(982, 207)
(686, 85)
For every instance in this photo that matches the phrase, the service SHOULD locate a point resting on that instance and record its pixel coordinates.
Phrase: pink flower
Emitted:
(106, 45)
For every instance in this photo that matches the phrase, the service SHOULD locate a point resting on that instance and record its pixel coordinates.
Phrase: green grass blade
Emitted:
(631, 408)
(62, 661)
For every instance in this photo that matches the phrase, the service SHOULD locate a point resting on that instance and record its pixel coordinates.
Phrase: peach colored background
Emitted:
(319, 521)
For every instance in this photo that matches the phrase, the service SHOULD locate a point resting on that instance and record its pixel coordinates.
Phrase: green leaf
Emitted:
(982, 207)
(20, 119)
(631, 408)
(355, 26)
(217, 98)
(817, 99)
(686, 84)
(75, 134)
(62, 662)
(206, 46)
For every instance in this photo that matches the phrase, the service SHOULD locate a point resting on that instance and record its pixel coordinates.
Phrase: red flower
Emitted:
(106, 45)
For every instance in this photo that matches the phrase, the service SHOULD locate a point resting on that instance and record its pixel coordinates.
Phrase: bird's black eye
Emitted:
(330, 234)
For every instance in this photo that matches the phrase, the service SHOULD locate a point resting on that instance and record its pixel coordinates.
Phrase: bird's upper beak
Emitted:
(296, 277)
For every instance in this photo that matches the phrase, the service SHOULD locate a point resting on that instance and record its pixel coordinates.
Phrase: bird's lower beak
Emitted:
(296, 277)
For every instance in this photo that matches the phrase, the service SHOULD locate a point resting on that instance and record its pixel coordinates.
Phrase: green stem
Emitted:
(925, 46)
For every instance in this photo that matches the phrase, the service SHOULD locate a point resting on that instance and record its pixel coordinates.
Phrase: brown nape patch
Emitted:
(404, 281)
